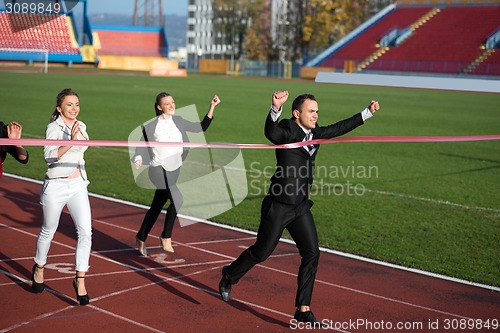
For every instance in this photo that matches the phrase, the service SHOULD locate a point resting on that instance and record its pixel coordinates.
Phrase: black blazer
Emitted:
(182, 124)
(294, 172)
(9, 149)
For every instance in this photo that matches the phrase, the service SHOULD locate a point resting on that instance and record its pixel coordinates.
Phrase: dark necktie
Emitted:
(310, 147)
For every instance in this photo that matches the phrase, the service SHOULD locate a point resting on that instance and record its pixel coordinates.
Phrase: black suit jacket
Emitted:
(294, 173)
(182, 124)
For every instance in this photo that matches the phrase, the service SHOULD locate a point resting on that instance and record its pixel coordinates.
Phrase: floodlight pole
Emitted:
(148, 9)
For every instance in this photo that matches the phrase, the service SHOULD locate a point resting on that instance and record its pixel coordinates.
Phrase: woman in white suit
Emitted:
(65, 184)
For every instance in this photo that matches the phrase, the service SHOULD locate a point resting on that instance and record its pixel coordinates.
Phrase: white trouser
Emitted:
(56, 193)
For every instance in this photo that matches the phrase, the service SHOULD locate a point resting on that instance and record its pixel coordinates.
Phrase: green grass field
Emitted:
(431, 206)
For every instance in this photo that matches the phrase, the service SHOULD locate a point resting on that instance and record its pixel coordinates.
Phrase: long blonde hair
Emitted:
(60, 99)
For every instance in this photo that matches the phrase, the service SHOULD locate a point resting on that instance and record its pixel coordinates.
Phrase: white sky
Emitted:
(178, 7)
(171, 7)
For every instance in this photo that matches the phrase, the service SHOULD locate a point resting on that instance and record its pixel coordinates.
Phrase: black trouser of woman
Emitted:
(166, 189)
(275, 217)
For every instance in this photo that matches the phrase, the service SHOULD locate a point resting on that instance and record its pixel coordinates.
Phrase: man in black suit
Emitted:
(287, 203)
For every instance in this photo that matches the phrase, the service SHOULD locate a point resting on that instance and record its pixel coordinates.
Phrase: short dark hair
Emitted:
(299, 100)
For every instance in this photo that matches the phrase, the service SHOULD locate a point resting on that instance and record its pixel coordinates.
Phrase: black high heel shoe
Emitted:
(37, 287)
(83, 300)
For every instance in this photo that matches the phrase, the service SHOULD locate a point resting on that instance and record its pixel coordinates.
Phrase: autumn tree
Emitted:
(310, 26)
(288, 33)
(258, 42)
(231, 19)
(327, 21)
(300, 28)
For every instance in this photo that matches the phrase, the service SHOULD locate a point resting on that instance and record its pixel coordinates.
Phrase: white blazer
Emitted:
(67, 164)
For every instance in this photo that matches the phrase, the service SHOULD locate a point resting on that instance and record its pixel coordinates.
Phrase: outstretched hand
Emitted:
(215, 101)
(279, 98)
(14, 130)
(373, 106)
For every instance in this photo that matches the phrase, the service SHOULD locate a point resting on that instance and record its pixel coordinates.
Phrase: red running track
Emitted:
(178, 292)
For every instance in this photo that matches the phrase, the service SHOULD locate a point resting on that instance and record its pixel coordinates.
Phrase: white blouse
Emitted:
(170, 158)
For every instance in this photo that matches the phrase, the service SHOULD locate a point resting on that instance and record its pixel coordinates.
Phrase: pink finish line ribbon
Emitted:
(116, 143)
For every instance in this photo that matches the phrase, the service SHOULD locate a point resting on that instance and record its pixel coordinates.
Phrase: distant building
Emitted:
(180, 55)
(201, 42)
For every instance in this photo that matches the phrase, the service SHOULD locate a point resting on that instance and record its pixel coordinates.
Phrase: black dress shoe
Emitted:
(308, 317)
(225, 286)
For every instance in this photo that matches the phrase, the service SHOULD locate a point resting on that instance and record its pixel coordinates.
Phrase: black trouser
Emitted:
(275, 217)
(165, 182)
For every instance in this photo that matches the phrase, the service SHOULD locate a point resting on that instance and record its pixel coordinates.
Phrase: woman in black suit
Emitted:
(164, 164)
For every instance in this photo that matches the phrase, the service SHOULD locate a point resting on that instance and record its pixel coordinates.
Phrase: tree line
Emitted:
(297, 30)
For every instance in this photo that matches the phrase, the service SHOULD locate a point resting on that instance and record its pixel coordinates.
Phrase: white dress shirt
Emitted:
(170, 158)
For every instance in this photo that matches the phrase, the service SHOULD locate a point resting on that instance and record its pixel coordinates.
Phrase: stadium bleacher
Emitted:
(27, 31)
(490, 66)
(131, 41)
(366, 43)
(446, 43)
(30, 37)
(444, 39)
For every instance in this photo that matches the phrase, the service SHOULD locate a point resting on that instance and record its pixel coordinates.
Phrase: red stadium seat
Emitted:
(365, 44)
(447, 43)
(36, 31)
(131, 43)
(450, 40)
